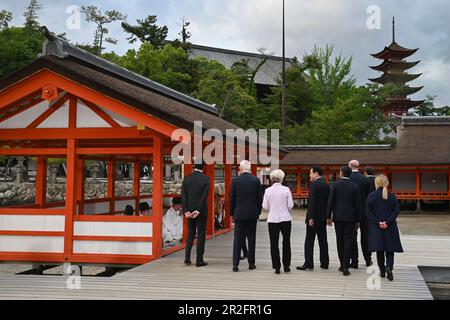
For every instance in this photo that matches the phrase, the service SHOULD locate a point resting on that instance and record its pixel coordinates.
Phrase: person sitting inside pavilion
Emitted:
(144, 209)
(173, 222)
(129, 211)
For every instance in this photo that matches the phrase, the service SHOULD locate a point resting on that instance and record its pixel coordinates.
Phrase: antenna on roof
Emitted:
(393, 29)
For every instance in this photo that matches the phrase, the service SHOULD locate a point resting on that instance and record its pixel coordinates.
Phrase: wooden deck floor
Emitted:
(168, 278)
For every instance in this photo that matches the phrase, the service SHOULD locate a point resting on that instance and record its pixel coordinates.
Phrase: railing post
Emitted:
(227, 176)
(157, 196)
(41, 181)
(111, 185)
(71, 203)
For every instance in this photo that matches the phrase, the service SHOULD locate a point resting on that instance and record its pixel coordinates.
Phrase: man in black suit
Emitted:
(194, 196)
(343, 210)
(245, 208)
(364, 190)
(316, 220)
(369, 172)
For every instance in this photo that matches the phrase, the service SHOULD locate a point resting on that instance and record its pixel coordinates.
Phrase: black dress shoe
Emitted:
(324, 267)
(201, 264)
(287, 269)
(390, 276)
(369, 263)
(305, 267)
(187, 262)
(346, 272)
(277, 271)
(235, 269)
(251, 267)
(382, 274)
(353, 266)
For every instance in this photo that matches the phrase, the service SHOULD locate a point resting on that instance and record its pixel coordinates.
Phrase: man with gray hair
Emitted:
(245, 208)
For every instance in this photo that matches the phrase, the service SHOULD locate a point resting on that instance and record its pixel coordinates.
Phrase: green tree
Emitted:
(95, 15)
(30, 15)
(18, 48)
(185, 36)
(222, 87)
(169, 66)
(299, 98)
(5, 19)
(147, 31)
(427, 108)
(330, 79)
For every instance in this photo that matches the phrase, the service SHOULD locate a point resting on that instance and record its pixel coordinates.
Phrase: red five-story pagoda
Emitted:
(394, 68)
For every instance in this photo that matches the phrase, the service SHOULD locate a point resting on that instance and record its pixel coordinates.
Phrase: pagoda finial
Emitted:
(393, 29)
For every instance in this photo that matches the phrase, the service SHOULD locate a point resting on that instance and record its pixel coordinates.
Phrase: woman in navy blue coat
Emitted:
(382, 209)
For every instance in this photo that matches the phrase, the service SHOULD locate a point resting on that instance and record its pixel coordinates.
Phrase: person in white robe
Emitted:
(173, 222)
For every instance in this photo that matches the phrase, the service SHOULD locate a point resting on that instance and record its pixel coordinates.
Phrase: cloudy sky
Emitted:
(247, 25)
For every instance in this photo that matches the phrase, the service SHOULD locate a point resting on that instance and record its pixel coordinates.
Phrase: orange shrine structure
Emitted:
(73, 105)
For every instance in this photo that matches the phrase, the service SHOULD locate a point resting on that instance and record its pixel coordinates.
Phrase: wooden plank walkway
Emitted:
(168, 278)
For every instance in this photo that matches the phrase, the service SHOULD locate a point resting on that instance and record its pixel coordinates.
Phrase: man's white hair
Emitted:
(354, 164)
(245, 166)
(277, 175)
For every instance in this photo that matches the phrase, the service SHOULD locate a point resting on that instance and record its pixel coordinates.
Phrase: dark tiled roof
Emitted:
(421, 140)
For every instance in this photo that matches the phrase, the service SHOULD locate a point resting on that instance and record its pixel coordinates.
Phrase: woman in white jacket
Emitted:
(278, 201)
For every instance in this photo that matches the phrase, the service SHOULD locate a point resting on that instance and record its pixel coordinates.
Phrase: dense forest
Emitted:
(324, 103)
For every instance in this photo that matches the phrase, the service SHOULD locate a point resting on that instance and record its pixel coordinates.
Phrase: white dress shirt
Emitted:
(278, 201)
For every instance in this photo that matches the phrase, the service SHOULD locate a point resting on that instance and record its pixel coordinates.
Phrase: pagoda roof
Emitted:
(395, 77)
(398, 65)
(394, 49)
(404, 103)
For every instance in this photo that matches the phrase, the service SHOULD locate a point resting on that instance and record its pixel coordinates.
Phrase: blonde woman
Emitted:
(382, 209)
(278, 201)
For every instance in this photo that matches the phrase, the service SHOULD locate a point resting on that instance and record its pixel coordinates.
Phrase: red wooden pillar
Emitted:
(418, 184)
(448, 183)
(187, 170)
(299, 180)
(227, 177)
(80, 185)
(71, 203)
(72, 112)
(157, 196)
(254, 168)
(327, 174)
(136, 184)
(210, 172)
(111, 185)
(41, 181)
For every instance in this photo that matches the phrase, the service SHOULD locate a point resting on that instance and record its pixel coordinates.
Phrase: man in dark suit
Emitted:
(316, 220)
(194, 195)
(369, 172)
(343, 209)
(245, 208)
(364, 190)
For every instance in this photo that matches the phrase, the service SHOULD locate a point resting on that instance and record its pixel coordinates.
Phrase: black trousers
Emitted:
(345, 237)
(274, 234)
(196, 225)
(364, 229)
(244, 249)
(321, 232)
(389, 260)
(244, 229)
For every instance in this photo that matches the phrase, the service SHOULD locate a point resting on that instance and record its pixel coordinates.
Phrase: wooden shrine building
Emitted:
(73, 105)
(418, 166)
